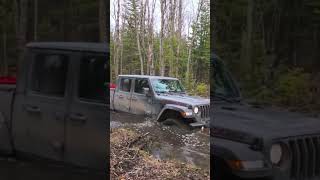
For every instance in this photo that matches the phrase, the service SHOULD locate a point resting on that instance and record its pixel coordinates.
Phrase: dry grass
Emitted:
(130, 161)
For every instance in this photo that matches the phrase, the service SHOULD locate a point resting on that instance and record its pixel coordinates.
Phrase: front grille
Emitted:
(204, 111)
(305, 157)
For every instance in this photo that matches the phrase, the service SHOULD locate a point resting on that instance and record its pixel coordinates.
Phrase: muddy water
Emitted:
(171, 142)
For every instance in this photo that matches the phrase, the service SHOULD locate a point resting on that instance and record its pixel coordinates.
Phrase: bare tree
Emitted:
(171, 18)
(179, 34)
(192, 40)
(117, 9)
(35, 28)
(21, 20)
(5, 60)
(137, 25)
(150, 21)
(163, 7)
(102, 20)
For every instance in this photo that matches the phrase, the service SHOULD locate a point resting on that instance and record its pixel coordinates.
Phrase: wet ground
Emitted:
(188, 146)
(12, 169)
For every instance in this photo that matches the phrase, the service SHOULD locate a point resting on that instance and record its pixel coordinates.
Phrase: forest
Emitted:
(166, 38)
(272, 48)
(23, 21)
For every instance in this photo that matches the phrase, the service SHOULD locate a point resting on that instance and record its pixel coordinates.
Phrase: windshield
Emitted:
(223, 84)
(167, 85)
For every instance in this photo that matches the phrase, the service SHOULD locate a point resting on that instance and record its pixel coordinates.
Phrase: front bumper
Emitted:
(257, 173)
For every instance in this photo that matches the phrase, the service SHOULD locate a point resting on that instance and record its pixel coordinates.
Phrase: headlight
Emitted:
(276, 153)
(196, 110)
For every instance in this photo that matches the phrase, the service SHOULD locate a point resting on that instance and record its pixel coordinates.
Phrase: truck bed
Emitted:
(7, 92)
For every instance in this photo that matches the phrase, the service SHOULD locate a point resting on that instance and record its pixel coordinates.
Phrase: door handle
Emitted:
(33, 109)
(120, 96)
(134, 99)
(79, 118)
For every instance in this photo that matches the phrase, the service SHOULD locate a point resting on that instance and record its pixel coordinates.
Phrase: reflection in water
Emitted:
(11, 169)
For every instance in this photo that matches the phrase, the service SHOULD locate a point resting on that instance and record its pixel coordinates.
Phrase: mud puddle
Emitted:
(171, 142)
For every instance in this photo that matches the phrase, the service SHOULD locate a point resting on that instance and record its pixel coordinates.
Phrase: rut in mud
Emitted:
(130, 160)
(168, 142)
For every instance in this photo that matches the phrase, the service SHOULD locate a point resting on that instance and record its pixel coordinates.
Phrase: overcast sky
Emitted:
(189, 11)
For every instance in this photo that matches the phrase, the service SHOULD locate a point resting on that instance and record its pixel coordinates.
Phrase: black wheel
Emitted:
(177, 122)
(221, 171)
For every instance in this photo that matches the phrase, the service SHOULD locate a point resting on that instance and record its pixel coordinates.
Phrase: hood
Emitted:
(266, 123)
(183, 99)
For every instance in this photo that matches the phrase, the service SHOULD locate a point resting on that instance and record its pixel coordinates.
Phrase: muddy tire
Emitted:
(177, 122)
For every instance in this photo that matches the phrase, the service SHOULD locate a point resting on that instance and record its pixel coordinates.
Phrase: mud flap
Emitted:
(5, 137)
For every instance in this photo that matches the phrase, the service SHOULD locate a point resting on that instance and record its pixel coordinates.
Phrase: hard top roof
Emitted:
(148, 77)
(73, 46)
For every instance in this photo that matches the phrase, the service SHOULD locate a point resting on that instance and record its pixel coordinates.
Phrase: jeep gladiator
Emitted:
(249, 141)
(58, 110)
(163, 98)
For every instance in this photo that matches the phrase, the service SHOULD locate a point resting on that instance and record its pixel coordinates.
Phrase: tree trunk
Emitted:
(35, 28)
(103, 21)
(22, 6)
(192, 41)
(150, 20)
(179, 36)
(140, 53)
(5, 60)
(161, 58)
(137, 28)
(248, 55)
(116, 39)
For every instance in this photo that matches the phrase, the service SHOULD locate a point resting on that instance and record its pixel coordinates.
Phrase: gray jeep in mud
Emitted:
(163, 98)
(249, 141)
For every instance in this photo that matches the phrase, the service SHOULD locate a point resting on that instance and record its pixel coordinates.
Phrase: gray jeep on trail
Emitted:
(161, 97)
(250, 141)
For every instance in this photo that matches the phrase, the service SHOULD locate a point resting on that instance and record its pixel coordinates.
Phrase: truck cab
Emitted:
(58, 110)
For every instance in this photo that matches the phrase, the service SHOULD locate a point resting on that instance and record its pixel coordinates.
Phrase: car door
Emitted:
(88, 120)
(122, 97)
(39, 111)
(140, 102)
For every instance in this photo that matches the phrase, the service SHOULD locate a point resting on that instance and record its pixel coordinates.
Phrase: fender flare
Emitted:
(173, 107)
(233, 150)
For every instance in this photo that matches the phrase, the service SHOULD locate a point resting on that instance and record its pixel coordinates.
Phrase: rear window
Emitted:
(125, 84)
(49, 74)
(93, 83)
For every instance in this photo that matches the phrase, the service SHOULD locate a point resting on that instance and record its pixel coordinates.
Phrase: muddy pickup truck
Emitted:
(163, 98)
(250, 141)
(58, 110)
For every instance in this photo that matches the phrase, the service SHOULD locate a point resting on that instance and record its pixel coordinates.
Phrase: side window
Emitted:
(125, 84)
(49, 74)
(93, 79)
(140, 84)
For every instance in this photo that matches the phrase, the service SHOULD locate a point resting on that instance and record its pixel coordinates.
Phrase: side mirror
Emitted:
(147, 91)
